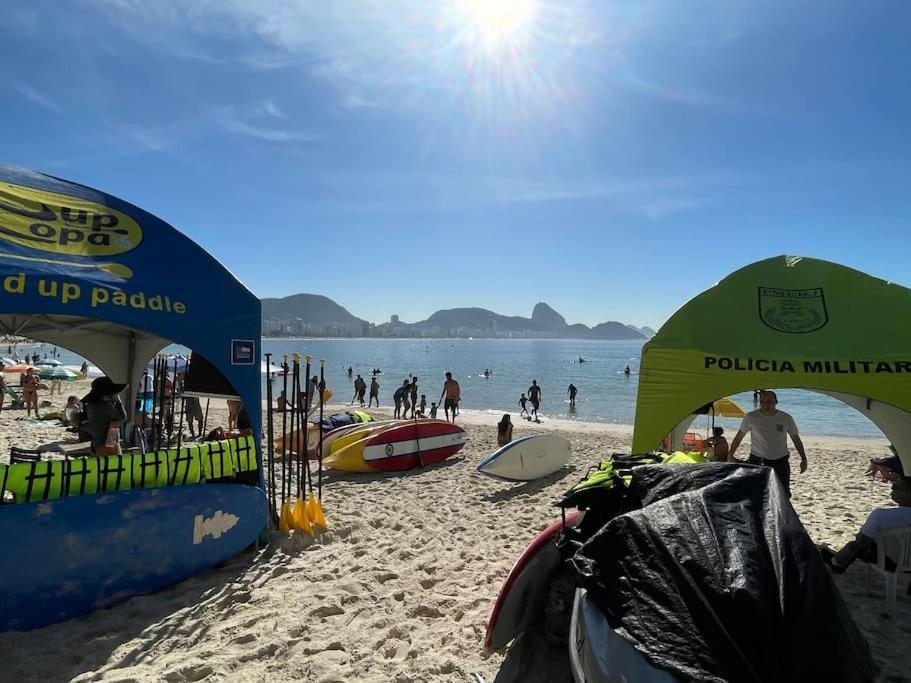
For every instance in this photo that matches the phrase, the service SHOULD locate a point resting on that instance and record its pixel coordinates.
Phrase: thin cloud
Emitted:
(234, 124)
(38, 97)
(269, 107)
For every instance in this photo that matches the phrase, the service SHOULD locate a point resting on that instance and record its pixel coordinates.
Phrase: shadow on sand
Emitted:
(529, 487)
(88, 643)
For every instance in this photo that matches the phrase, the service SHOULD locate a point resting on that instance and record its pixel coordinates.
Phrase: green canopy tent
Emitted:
(790, 322)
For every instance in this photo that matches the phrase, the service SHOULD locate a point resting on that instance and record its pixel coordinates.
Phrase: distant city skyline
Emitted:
(611, 159)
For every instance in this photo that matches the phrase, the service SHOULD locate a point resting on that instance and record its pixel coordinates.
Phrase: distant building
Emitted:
(394, 320)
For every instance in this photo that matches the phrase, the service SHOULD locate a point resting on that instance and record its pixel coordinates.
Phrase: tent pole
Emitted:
(269, 486)
(131, 367)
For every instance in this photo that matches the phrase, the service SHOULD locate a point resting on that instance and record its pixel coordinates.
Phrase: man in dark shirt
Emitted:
(534, 395)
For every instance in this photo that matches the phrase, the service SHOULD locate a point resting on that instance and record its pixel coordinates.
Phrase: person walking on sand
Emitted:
(770, 428)
(534, 395)
(374, 392)
(406, 404)
(30, 384)
(398, 397)
(357, 389)
(523, 403)
(572, 395)
(452, 394)
(414, 396)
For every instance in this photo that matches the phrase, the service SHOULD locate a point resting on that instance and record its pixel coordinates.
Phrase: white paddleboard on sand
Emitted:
(528, 458)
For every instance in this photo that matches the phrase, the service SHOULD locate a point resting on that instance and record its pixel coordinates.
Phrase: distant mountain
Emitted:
(315, 315)
(547, 317)
(313, 308)
(646, 332)
(614, 330)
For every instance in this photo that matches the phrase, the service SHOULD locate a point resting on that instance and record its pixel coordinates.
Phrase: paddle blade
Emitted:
(301, 521)
(284, 518)
(315, 512)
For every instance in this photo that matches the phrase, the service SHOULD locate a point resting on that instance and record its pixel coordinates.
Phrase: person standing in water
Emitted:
(626, 371)
(572, 395)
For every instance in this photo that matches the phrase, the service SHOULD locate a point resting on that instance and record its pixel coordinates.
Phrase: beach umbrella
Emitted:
(49, 361)
(55, 372)
(725, 407)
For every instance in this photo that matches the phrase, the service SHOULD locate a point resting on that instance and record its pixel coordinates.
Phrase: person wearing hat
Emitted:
(103, 415)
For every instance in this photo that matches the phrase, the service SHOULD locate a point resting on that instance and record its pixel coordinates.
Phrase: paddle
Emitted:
(316, 509)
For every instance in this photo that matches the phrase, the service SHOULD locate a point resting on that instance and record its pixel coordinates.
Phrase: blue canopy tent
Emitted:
(89, 272)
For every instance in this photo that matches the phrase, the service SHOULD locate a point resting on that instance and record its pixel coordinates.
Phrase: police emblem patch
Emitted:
(795, 311)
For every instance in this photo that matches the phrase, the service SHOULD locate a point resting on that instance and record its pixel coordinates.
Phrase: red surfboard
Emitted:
(415, 444)
(522, 596)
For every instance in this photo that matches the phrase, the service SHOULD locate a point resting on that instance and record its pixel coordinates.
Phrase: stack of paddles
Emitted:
(296, 506)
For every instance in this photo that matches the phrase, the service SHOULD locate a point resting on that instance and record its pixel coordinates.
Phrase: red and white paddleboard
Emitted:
(522, 596)
(415, 444)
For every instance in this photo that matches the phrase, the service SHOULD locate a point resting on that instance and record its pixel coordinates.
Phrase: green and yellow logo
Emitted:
(64, 225)
(795, 311)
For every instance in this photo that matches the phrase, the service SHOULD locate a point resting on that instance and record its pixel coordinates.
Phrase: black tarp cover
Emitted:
(715, 579)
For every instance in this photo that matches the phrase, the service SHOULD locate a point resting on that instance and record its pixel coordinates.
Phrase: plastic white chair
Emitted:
(896, 544)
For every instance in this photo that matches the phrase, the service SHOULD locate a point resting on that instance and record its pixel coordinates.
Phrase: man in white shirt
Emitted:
(769, 429)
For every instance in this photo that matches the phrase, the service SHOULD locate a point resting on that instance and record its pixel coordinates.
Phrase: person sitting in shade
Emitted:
(863, 546)
(504, 430)
(718, 445)
(104, 414)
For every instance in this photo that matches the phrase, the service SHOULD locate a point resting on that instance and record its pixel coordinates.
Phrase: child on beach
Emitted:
(422, 406)
(433, 411)
(523, 401)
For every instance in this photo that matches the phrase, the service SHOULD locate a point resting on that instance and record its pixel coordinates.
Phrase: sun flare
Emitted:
(498, 22)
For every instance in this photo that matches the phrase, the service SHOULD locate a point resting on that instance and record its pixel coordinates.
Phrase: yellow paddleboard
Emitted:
(350, 457)
(357, 434)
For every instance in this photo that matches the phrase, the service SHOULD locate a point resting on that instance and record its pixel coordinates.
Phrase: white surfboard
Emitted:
(528, 458)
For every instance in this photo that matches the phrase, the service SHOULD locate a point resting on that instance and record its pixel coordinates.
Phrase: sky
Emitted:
(612, 159)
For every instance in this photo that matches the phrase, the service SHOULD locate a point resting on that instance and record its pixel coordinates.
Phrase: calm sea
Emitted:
(606, 394)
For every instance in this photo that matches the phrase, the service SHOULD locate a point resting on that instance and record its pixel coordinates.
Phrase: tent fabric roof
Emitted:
(782, 322)
(110, 281)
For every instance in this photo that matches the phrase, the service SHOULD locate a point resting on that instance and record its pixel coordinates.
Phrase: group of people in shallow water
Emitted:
(406, 401)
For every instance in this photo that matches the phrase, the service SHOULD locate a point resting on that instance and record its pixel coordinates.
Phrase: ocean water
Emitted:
(606, 394)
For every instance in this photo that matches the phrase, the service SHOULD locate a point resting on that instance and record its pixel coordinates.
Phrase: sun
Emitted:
(497, 23)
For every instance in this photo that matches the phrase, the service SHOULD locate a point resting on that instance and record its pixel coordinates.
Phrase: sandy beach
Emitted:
(400, 586)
